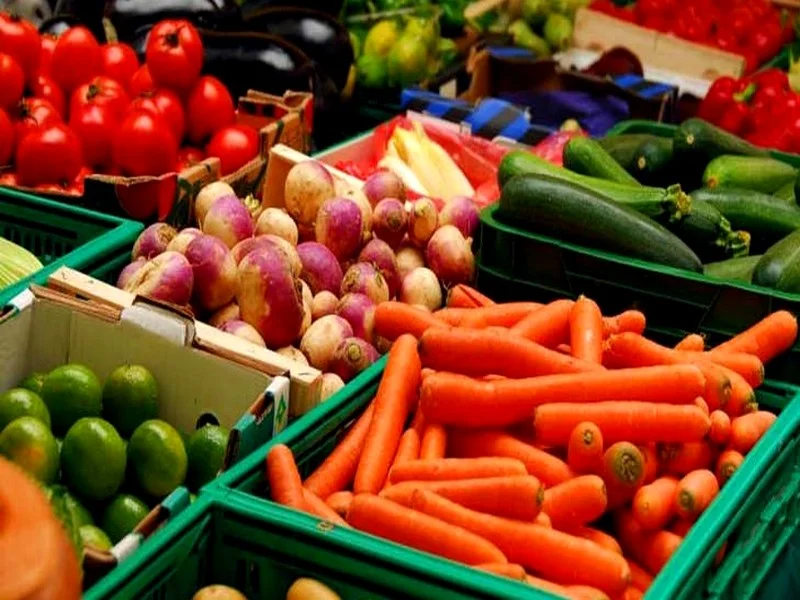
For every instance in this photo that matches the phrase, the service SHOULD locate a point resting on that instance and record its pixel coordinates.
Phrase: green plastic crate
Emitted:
(62, 235)
(514, 264)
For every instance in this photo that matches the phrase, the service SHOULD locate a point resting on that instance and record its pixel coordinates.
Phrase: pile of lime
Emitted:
(101, 449)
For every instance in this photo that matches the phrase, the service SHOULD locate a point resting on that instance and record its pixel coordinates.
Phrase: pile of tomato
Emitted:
(754, 29)
(70, 106)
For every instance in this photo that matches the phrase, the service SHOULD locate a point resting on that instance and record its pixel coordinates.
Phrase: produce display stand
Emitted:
(61, 235)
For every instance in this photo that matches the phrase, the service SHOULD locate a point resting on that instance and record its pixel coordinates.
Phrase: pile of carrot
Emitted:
(502, 435)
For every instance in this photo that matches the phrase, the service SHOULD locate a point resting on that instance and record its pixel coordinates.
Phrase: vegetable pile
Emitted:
(546, 443)
(71, 107)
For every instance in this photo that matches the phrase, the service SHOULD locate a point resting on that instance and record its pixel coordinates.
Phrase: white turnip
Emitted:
(421, 287)
(323, 304)
(322, 338)
(408, 259)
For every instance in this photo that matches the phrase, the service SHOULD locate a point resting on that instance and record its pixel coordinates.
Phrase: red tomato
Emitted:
(189, 157)
(46, 88)
(6, 138)
(235, 146)
(101, 90)
(119, 63)
(34, 113)
(142, 82)
(19, 39)
(174, 54)
(208, 109)
(145, 145)
(9, 178)
(51, 154)
(167, 104)
(96, 126)
(13, 81)
(76, 58)
(46, 53)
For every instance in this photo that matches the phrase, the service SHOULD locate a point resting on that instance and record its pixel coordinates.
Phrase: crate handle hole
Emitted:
(206, 419)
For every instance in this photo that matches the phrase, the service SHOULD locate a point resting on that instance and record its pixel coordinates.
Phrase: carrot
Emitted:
(451, 399)
(748, 429)
(585, 592)
(452, 316)
(651, 549)
(586, 330)
(464, 296)
(623, 472)
(564, 349)
(650, 462)
(632, 593)
(499, 315)
(504, 570)
(720, 431)
(681, 527)
(516, 497)
(694, 493)
(680, 459)
(575, 502)
(418, 423)
(285, 484)
(727, 463)
(549, 469)
(746, 365)
(543, 520)
(403, 525)
(338, 470)
(456, 468)
(426, 372)
(630, 321)
(407, 450)
(394, 319)
(585, 448)
(316, 506)
(743, 398)
(549, 552)
(548, 326)
(766, 339)
(640, 579)
(702, 405)
(694, 342)
(637, 422)
(485, 352)
(548, 586)
(654, 504)
(601, 538)
(396, 393)
(340, 502)
(433, 442)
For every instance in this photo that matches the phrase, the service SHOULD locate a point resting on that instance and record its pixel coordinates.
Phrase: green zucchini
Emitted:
(567, 210)
(709, 233)
(699, 141)
(670, 202)
(622, 148)
(585, 156)
(779, 268)
(734, 269)
(748, 172)
(652, 161)
(786, 192)
(767, 218)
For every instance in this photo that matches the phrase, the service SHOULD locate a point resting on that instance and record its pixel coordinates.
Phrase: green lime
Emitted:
(122, 515)
(93, 458)
(79, 513)
(206, 452)
(380, 38)
(33, 382)
(407, 62)
(29, 443)
(21, 402)
(130, 397)
(70, 393)
(157, 457)
(95, 537)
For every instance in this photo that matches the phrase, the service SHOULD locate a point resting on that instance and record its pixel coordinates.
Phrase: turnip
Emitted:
(382, 344)
(461, 212)
(408, 259)
(308, 184)
(321, 271)
(129, 271)
(307, 320)
(421, 287)
(243, 330)
(365, 207)
(229, 312)
(207, 196)
(422, 221)
(390, 221)
(214, 270)
(359, 311)
(294, 354)
(384, 184)
(308, 297)
(181, 241)
(323, 304)
(153, 241)
(270, 297)
(351, 357)
(167, 277)
(381, 256)
(229, 220)
(254, 206)
(331, 383)
(322, 338)
(245, 247)
(450, 256)
(277, 222)
(339, 227)
(363, 278)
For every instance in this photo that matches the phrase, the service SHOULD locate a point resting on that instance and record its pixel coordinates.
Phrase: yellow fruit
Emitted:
(381, 38)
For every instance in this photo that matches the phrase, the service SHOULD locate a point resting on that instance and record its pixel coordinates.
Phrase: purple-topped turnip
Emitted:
(167, 277)
(351, 357)
(461, 212)
(294, 354)
(450, 256)
(359, 311)
(323, 304)
(245, 247)
(243, 330)
(408, 259)
(181, 241)
(338, 227)
(229, 220)
(214, 270)
(153, 241)
(207, 196)
(229, 312)
(390, 221)
(321, 271)
(277, 222)
(381, 256)
(322, 338)
(363, 278)
(384, 184)
(421, 288)
(331, 383)
(422, 221)
(365, 207)
(129, 271)
(308, 184)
